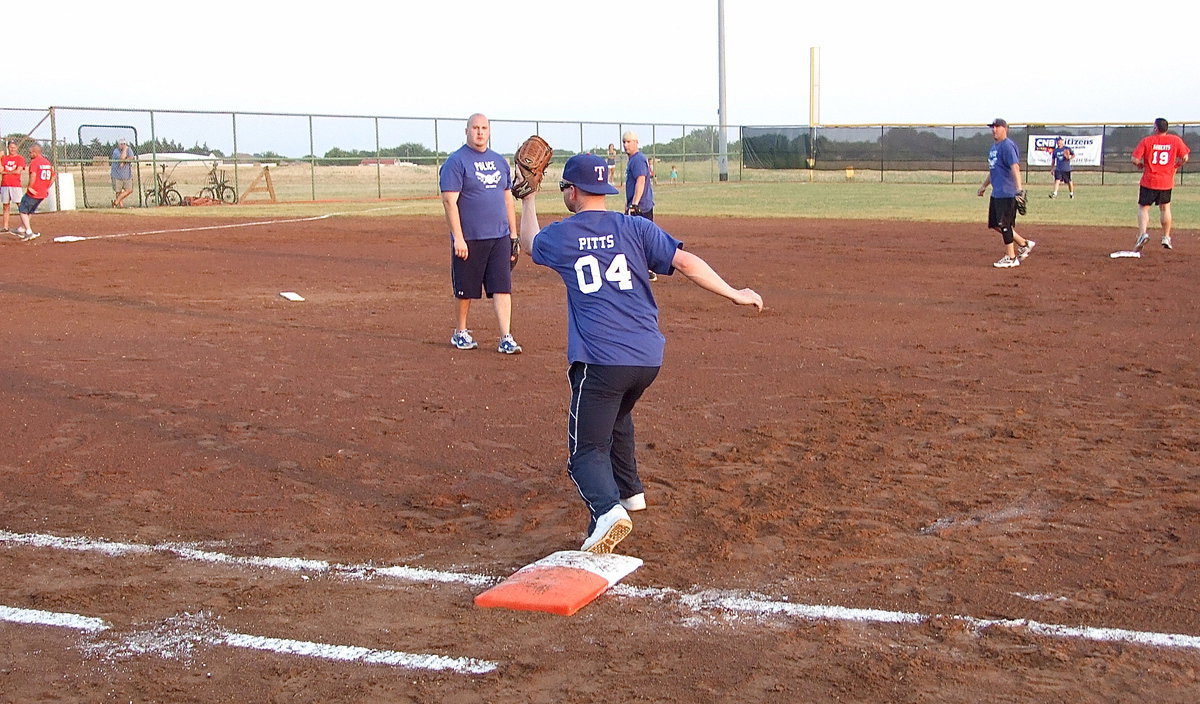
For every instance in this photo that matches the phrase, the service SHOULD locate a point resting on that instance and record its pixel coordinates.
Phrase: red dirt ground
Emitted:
(903, 428)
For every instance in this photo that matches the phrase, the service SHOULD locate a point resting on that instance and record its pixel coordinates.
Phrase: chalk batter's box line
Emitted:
(707, 600)
(282, 646)
(229, 226)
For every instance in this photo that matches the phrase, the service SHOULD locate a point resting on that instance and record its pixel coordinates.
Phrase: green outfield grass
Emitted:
(1093, 205)
(1108, 205)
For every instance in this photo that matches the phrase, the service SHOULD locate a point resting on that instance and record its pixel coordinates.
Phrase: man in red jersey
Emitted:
(11, 166)
(1158, 156)
(41, 175)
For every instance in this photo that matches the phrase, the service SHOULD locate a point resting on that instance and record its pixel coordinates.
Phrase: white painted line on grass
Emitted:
(706, 600)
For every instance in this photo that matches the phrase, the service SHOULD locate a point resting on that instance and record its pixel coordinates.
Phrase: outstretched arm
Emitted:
(700, 273)
(529, 222)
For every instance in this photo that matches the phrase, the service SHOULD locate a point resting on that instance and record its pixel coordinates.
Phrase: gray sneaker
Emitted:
(1141, 242)
(30, 236)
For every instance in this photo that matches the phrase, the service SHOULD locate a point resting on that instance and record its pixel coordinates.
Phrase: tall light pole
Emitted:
(722, 139)
(814, 104)
(814, 86)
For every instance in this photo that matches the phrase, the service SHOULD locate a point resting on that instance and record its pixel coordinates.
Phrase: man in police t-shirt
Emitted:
(481, 217)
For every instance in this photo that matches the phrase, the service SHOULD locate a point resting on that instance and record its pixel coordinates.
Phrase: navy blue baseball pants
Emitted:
(600, 433)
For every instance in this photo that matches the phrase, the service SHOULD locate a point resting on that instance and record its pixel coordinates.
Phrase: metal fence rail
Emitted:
(929, 153)
(314, 157)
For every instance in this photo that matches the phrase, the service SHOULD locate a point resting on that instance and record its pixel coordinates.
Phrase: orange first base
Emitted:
(560, 583)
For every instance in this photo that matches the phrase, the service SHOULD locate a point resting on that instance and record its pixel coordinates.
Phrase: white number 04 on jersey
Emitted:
(587, 269)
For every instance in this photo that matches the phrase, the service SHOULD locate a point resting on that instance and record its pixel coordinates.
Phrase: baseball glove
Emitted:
(533, 156)
(633, 209)
(1022, 202)
(516, 253)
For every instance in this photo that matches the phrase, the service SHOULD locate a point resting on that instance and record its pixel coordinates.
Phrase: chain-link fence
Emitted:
(255, 157)
(252, 157)
(930, 153)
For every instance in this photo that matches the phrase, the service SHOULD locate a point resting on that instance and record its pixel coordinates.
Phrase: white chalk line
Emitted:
(179, 636)
(227, 226)
(705, 600)
(290, 564)
(37, 617)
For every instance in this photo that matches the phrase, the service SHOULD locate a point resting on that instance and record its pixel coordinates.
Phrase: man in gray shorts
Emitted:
(12, 164)
(121, 170)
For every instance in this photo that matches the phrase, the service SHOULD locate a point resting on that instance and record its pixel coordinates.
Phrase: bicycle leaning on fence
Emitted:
(218, 188)
(163, 192)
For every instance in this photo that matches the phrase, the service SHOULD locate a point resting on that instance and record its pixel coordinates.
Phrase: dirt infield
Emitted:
(903, 429)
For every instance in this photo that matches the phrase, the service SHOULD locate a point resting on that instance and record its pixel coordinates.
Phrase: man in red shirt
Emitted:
(41, 175)
(1158, 156)
(11, 166)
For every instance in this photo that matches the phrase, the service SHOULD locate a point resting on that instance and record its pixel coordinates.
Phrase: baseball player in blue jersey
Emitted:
(482, 220)
(639, 186)
(614, 346)
(1060, 162)
(639, 189)
(1004, 176)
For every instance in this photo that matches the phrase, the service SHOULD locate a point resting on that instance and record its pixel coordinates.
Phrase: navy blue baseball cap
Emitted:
(588, 173)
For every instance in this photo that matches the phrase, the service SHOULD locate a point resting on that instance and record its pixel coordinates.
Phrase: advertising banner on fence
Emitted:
(1087, 148)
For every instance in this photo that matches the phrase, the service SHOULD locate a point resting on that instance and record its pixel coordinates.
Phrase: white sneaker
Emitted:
(462, 340)
(1007, 263)
(508, 345)
(1141, 242)
(637, 502)
(1166, 242)
(611, 528)
(30, 236)
(1023, 252)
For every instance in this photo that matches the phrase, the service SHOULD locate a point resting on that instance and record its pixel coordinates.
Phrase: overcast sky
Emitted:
(623, 60)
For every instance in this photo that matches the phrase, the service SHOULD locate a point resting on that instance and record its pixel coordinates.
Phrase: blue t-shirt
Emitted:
(1001, 158)
(638, 166)
(123, 172)
(1059, 158)
(480, 179)
(603, 258)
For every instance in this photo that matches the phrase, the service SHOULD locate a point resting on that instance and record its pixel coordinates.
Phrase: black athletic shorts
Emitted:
(1153, 196)
(1002, 213)
(487, 267)
(1064, 176)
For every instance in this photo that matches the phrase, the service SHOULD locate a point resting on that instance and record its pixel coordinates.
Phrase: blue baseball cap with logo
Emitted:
(588, 173)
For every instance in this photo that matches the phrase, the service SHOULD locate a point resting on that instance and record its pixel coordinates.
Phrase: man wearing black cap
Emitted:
(1158, 156)
(614, 346)
(1004, 176)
